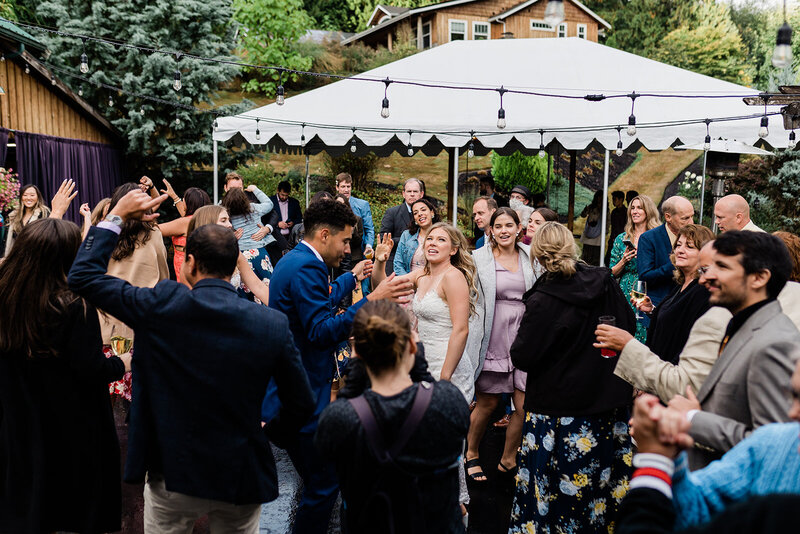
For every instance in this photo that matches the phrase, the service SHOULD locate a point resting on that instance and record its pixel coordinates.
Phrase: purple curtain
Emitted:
(46, 161)
(3, 146)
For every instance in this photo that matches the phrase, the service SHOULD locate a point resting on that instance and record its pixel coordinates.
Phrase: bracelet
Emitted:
(176, 202)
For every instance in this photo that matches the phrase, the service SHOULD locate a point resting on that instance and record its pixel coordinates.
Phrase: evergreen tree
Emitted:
(155, 141)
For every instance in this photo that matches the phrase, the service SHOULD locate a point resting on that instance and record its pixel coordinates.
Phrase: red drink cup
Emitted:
(611, 321)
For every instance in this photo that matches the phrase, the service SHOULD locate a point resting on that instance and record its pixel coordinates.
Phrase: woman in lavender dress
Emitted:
(505, 273)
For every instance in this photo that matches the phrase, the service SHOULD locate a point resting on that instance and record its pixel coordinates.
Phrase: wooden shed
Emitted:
(476, 20)
(47, 132)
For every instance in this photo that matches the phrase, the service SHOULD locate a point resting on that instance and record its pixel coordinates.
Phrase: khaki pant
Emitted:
(168, 512)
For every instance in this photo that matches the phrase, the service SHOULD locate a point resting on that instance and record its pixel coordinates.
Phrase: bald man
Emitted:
(655, 246)
(731, 212)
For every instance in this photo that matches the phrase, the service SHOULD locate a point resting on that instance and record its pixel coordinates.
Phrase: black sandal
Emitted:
(506, 470)
(476, 476)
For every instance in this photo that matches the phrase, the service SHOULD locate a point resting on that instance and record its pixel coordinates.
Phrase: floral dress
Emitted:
(573, 473)
(627, 281)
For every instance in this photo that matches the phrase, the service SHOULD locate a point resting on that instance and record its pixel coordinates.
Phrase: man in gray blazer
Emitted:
(748, 386)
(396, 219)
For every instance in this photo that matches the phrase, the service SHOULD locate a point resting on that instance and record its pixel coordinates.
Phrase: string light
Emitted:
(141, 111)
(632, 118)
(707, 140)
(84, 58)
(80, 91)
(2, 58)
(619, 151)
(471, 148)
(542, 151)
(303, 135)
(216, 125)
(258, 132)
(176, 84)
(353, 147)
(110, 101)
(410, 150)
(385, 103)
(52, 80)
(501, 113)
(792, 141)
(27, 69)
(177, 119)
(782, 56)
(279, 97)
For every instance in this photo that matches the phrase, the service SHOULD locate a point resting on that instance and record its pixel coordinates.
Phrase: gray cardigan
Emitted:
(487, 289)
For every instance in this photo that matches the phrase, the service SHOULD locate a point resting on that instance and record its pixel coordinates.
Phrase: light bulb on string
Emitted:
(792, 140)
(619, 150)
(176, 84)
(501, 113)
(782, 56)
(632, 125)
(279, 92)
(542, 151)
(353, 146)
(258, 132)
(52, 80)
(554, 13)
(84, 63)
(177, 120)
(707, 140)
(27, 69)
(303, 135)
(471, 150)
(2, 58)
(110, 101)
(410, 150)
(763, 131)
(385, 102)
(216, 125)
(80, 91)
(141, 111)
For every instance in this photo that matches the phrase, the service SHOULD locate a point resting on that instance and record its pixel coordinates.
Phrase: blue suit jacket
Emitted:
(202, 361)
(295, 213)
(361, 208)
(655, 267)
(299, 288)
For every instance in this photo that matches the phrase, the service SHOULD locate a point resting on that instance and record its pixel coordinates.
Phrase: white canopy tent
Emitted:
(433, 119)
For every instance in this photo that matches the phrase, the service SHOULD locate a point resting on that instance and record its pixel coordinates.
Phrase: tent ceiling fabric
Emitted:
(442, 118)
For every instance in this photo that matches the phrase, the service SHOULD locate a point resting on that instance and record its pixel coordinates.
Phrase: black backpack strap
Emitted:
(421, 401)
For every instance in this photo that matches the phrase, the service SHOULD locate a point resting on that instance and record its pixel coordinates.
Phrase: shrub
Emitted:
(519, 169)
(361, 168)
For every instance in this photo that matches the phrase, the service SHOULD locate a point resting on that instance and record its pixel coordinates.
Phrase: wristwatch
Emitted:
(114, 219)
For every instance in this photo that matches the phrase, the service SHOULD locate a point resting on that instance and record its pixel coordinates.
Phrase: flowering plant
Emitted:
(9, 190)
(690, 185)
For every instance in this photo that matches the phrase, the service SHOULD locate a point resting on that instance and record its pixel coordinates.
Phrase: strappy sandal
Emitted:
(477, 476)
(501, 468)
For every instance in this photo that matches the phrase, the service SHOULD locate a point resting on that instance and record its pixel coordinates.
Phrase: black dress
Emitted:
(59, 455)
(434, 445)
(673, 319)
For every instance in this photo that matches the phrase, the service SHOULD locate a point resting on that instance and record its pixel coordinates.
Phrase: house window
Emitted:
(458, 30)
(426, 36)
(480, 31)
(582, 31)
(562, 29)
(541, 26)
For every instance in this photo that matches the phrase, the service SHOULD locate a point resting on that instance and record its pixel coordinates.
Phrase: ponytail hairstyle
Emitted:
(461, 260)
(381, 332)
(554, 247)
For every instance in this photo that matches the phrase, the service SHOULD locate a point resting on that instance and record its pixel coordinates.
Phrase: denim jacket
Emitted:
(405, 252)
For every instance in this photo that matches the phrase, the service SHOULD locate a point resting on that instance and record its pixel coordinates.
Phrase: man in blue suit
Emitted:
(299, 288)
(655, 247)
(203, 360)
(286, 212)
(344, 186)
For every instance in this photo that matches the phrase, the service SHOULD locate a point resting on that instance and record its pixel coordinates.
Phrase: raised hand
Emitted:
(384, 248)
(62, 199)
(145, 183)
(85, 211)
(137, 205)
(169, 191)
(362, 270)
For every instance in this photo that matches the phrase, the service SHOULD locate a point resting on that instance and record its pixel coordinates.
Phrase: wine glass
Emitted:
(639, 292)
(120, 344)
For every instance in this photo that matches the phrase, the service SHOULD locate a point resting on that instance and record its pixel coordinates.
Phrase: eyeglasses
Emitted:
(702, 271)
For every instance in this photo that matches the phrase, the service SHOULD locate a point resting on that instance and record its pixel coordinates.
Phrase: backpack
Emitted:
(395, 501)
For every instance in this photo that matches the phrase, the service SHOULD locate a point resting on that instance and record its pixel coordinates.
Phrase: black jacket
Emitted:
(647, 511)
(566, 374)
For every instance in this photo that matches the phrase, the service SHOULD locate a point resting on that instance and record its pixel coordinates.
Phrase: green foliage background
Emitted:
(519, 169)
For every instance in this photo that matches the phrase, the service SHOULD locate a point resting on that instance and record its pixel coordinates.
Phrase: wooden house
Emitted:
(476, 19)
(47, 132)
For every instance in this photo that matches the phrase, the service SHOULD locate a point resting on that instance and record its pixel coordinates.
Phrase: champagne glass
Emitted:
(611, 321)
(120, 344)
(639, 292)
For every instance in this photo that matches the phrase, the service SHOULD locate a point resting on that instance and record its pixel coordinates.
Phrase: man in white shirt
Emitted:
(731, 212)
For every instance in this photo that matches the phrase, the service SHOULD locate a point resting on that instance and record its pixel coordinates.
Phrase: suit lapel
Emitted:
(734, 347)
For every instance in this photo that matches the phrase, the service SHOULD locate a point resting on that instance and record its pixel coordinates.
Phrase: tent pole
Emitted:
(307, 182)
(549, 168)
(573, 156)
(703, 185)
(216, 173)
(454, 157)
(605, 213)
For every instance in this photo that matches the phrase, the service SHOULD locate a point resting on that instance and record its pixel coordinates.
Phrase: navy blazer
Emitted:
(299, 288)
(295, 213)
(202, 362)
(655, 267)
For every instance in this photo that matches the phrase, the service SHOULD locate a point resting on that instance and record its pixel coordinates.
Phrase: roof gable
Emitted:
(519, 7)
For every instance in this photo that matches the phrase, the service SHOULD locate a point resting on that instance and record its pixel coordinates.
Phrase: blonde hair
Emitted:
(461, 260)
(699, 235)
(381, 331)
(100, 210)
(553, 246)
(651, 218)
(203, 216)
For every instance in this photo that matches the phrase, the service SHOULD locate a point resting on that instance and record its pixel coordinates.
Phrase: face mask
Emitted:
(515, 204)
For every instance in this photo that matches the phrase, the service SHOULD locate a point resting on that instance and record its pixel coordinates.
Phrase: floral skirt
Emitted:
(262, 267)
(573, 473)
(120, 387)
